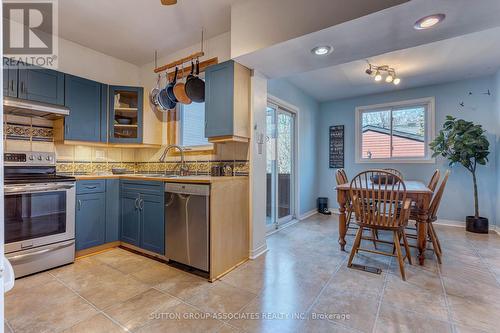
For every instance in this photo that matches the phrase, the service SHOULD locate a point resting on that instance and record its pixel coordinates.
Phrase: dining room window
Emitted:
(395, 132)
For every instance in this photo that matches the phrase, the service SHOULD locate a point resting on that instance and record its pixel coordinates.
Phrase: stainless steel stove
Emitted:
(39, 213)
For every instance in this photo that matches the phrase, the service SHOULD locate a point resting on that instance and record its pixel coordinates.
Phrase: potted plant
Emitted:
(464, 142)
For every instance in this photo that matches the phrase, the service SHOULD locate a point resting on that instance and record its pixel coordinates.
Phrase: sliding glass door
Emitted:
(280, 166)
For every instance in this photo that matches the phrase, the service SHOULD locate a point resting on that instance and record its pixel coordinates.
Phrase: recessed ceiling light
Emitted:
(428, 22)
(322, 50)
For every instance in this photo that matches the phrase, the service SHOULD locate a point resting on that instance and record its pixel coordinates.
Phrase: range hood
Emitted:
(22, 107)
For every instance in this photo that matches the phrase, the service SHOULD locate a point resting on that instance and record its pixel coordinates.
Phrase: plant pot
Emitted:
(476, 224)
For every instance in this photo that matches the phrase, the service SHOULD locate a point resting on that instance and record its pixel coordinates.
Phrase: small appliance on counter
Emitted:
(39, 213)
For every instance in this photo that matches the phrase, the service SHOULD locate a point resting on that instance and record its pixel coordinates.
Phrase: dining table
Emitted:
(417, 191)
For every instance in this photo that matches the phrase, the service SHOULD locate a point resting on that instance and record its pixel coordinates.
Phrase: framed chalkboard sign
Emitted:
(337, 146)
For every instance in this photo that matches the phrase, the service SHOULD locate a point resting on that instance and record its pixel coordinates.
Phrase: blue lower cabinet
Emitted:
(142, 215)
(112, 210)
(130, 217)
(152, 223)
(90, 220)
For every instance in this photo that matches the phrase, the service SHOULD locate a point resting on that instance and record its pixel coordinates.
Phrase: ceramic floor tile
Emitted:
(470, 313)
(96, 324)
(183, 285)
(52, 307)
(123, 260)
(394, 320)
(140, 309)
(407, 296)
(155, 273)
(221, 297)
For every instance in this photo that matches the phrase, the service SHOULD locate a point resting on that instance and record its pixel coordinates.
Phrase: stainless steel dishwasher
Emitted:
(187, 224)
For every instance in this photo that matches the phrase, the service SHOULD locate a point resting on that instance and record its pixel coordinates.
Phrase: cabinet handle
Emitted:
(141, 204)
(66, 128)
(136, 204)
(90, 187)
(12, 85)
(79, 204)
(22, 87)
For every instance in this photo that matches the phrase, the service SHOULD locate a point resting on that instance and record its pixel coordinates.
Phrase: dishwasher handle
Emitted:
(192, 189)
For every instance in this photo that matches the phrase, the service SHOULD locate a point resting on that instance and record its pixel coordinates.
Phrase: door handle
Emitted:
(22, 87)
(79, 204)
(12, 85)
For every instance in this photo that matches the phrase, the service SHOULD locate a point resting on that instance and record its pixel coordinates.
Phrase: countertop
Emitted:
(184, 179)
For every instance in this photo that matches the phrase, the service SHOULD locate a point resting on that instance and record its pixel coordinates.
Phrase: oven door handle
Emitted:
(20, 257)
(23, 190)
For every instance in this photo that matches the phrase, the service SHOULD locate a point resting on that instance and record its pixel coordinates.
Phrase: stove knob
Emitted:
(31, 158)
(39, 158)
(49, 158)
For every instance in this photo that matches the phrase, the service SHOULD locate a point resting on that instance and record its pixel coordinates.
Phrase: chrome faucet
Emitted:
(183, 170)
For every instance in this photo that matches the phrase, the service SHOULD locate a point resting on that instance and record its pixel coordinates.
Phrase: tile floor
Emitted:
(302, 279)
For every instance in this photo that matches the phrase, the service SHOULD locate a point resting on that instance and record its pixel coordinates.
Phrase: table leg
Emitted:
(422, 229)
(342, 200)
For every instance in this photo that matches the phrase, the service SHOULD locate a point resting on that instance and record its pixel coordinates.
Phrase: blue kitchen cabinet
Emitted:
(142, 214)
(152, 223)
(83, 98)
(227, 102)
(41, 85)
(9, 78)
(112, 210)
(130, 217)
(90, 220)
(125, 114)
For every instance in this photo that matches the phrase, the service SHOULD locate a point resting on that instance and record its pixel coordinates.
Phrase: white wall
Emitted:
(258, 166)
(81, 61)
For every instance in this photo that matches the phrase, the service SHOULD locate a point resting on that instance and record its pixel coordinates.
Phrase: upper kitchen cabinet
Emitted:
(227, 102)
(83, 98)
(125, 114)
(41, 85)
(9, 79)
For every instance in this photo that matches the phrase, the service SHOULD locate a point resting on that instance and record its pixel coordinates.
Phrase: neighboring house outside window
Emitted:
(395, 132)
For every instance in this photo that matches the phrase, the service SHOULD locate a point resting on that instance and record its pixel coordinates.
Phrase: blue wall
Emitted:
(497, 106)
(458, 199)
(308, 120)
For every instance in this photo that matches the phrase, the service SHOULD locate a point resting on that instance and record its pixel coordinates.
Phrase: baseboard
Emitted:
(308, 214)
(258, 251)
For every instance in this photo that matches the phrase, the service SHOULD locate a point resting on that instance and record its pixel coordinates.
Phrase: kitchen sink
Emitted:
(156, 175)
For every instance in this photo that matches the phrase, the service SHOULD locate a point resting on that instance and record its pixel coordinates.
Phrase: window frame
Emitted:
(209, 147)
(428, 102)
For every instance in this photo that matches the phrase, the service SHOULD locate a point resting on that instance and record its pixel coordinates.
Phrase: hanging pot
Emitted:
(153, 95)
(195, 87)
(164, 98)
(180, 92)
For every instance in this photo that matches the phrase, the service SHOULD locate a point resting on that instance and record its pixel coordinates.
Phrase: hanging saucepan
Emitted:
(180, 92)
(164, 96)
(153, 95)
(195, 87)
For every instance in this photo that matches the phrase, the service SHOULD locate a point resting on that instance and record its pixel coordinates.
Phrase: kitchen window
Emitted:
(192, 125)
(398, 132)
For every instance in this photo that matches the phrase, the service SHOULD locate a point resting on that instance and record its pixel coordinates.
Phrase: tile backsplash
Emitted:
(33, 134)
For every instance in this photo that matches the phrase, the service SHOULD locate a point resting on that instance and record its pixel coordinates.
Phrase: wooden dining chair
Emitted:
(433, 209)
(394, 171)
(377, 207)
(341, 178)
(434, 180)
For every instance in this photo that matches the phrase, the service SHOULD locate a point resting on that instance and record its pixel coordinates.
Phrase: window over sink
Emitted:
(398, 132)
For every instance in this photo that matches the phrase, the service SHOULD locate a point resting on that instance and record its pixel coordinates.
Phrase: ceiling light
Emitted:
(369, 71)
(322, 50)
(428, 21)
(389, 78)
(378, 76)
(396, 81)
(383, 72)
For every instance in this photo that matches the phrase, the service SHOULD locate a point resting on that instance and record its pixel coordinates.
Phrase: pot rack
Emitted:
(185, 70)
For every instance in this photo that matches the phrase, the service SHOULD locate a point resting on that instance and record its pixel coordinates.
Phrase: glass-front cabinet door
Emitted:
(125, 117)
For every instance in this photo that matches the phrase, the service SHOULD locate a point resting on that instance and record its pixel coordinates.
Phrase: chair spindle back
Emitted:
(434, 180)
(436, 199)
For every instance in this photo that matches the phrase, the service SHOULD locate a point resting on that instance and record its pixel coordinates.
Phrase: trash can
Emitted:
(323, 206)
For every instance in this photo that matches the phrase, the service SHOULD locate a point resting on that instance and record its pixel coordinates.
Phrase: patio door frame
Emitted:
(279, 223)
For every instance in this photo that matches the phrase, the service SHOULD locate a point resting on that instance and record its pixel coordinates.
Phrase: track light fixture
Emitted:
(383, 72)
